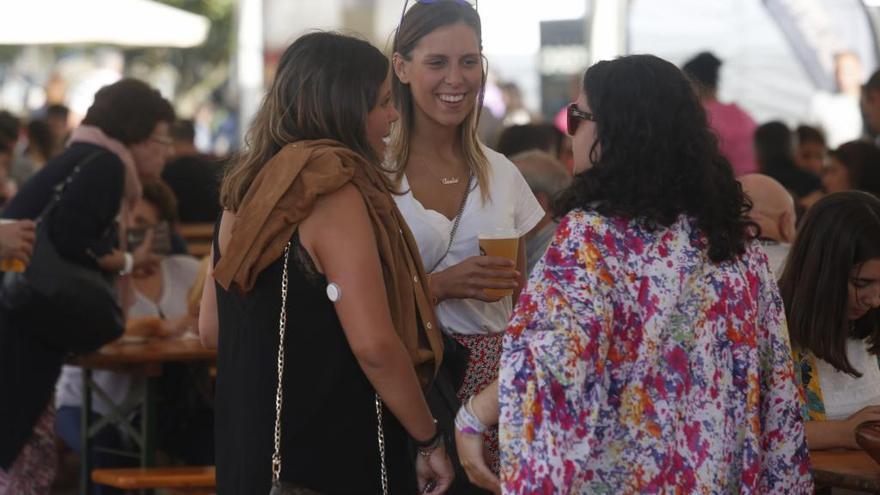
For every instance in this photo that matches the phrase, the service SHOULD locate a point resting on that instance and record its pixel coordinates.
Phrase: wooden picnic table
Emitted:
(198, 237)
(139, 357)
(196, 477)
(850, 469)
(125, 355)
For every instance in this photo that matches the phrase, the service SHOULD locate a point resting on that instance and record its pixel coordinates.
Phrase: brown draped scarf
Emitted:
(283, 194)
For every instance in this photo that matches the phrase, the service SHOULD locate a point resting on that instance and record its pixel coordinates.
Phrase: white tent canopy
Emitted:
(117, 22)
(761, 70)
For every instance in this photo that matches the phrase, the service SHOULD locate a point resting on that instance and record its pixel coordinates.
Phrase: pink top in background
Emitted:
(735, 130)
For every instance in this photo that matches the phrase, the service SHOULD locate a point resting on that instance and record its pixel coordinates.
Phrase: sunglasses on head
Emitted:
(475, 5)
(428, 2)
(575, 116)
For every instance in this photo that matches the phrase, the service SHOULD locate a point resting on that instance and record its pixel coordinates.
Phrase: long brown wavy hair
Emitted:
(421, 20)
(324, 88)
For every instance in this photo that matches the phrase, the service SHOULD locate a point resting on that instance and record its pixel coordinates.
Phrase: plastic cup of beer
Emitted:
(503, 243)
(11, 264)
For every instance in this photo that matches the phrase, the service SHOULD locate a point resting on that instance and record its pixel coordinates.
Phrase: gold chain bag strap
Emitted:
(279, 487)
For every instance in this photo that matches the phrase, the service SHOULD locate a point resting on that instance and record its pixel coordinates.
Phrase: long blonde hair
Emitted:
(421, 20)
(325, 87)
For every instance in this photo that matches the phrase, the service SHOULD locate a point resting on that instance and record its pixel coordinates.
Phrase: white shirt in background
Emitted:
(777, 253)
(178, 275)
(838, 115)
(843, 394)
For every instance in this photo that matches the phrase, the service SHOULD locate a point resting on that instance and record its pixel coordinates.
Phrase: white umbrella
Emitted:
(117, 22)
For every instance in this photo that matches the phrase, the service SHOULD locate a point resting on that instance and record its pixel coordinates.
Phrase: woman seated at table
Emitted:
(160, 308)
(831, 289)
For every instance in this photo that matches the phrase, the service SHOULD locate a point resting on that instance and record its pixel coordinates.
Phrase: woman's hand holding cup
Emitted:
(471, 278)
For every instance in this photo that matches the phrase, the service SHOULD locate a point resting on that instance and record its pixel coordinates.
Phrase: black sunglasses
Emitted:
(475, 5)
(575, 116)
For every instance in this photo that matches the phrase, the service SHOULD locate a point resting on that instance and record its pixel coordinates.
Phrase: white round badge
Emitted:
(334, 293)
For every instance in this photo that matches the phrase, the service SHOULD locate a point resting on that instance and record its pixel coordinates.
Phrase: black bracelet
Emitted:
(425, 448)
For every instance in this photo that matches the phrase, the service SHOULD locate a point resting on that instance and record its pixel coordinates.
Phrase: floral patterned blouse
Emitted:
(634, 364)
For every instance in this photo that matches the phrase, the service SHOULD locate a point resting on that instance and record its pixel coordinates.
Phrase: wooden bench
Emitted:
(198, 237)
(200, 480)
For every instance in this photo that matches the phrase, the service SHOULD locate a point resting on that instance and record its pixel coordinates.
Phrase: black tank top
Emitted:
(329, 426)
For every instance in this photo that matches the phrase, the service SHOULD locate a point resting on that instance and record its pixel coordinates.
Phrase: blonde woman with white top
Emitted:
(452, 187)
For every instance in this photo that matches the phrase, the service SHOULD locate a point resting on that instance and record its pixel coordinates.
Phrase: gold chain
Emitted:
(282, 325)
(276, 456)
(450, 180)
(383, 472)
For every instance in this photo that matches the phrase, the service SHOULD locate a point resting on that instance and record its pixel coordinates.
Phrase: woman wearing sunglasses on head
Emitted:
(648, 353)
(453, 188)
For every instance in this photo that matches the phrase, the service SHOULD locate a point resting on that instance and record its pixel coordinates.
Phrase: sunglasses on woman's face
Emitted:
(575, 116)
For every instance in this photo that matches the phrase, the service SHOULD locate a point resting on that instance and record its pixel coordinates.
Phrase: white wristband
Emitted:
(467, 422)
(129, 264)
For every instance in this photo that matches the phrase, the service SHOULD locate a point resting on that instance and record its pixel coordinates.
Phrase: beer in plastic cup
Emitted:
(502, 243)
(11, 264)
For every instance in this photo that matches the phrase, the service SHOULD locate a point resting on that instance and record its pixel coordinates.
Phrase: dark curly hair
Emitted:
(655, 157)
(128, 111)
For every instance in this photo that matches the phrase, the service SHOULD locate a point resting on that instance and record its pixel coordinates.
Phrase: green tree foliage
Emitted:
(196, 63)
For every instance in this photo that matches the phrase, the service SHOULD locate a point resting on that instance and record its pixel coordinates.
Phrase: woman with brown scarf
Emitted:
(309, 219)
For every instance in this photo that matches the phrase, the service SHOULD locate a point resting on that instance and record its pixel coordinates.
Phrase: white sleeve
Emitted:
(185, 269)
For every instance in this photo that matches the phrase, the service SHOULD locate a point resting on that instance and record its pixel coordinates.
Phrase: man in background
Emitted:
(194, 177)
(546, 177)
(731, 123)
(838, 113)
(773, 211)
(58, 120)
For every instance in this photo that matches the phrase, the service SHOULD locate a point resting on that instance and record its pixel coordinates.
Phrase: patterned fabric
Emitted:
(812, 404)
(482, 369)
(812, 400)
(33, 471)
(633, 364)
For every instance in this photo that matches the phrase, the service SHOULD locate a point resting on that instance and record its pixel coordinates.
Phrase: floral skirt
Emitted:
(33, 471)
(482, 369)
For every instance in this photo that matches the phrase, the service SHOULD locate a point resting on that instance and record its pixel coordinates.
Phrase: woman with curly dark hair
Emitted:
(648, 352)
